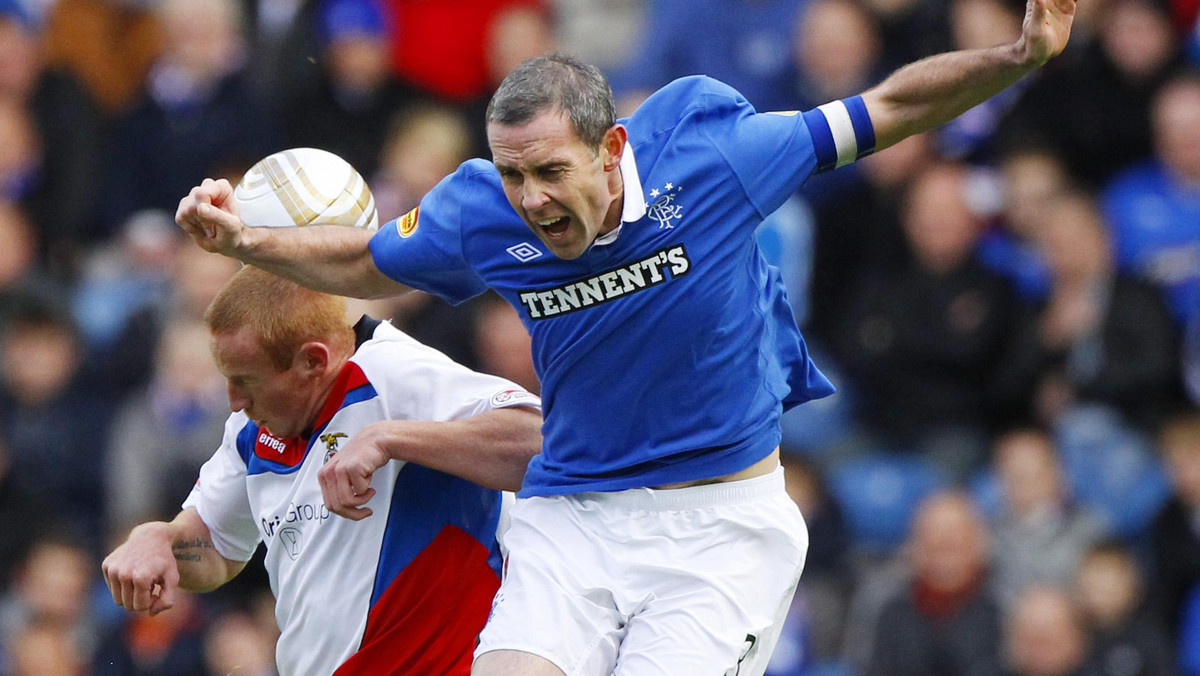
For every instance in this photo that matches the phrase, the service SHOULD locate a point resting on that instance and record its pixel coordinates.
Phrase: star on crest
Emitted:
(654, 192)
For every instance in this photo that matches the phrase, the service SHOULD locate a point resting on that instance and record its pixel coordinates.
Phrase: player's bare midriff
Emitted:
(764, 466)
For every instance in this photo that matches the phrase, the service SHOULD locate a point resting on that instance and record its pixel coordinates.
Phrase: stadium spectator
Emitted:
(164, 432)
(352, 102)
(1153, 208)
(747, 45)
(118, 280)
(1046, 636)
(52, 589)
(944, 619)
(236, 644)
(975, 24)
(813, 629)
(1125, 640)
(503, 344)
(127, 360)
(110, 47)
(600, 32)
(926, 344)
(1174, 534)
(860, 233)
(1096, 108)
(39, 648)
(23, 516)
(58, 181)
(837, 53)
(23, 277)
(53, 419)
(423, 145)
(196, 114)
(452, 65)
(1103, 338)
(167, 644)
(1040, 534)
(1032, 177)
(714, 314)
(414, 584)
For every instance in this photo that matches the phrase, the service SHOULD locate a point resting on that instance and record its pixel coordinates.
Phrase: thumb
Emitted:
(165, 599)
(216, 219)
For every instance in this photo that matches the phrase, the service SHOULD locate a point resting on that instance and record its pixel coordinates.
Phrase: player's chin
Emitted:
(567, 246)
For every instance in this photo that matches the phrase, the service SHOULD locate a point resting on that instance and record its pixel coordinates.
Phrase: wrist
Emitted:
(153, 530)
(384, 439)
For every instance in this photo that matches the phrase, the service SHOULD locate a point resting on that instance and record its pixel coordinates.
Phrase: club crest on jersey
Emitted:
(666, 264)
(664, 210)
(407, 224)
(331, 444)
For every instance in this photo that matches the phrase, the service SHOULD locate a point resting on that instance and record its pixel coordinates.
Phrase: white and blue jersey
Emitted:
(405, 591)
(667, 351)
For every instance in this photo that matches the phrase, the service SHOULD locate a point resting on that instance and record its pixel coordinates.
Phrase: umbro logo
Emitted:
(524, 252)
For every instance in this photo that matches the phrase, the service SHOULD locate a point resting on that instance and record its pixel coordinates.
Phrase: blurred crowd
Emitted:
(1007, 482)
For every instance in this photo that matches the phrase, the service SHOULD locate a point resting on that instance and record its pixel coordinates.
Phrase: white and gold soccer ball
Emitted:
(305, 186)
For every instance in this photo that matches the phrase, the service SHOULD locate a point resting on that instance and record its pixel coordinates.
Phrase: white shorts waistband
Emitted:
(692, 497)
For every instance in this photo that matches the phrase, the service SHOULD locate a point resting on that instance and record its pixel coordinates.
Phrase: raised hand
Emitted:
(209, 214)
(1046, 29)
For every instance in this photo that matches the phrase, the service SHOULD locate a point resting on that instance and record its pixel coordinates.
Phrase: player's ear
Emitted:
(612, 145)
(313, 358)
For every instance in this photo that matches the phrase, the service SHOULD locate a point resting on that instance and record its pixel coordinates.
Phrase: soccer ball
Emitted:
(305, 186)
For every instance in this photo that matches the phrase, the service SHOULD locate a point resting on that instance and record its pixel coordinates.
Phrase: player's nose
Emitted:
(238, 401)
(533, 197)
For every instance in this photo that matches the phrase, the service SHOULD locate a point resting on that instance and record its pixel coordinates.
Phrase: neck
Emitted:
(616, 188)
(322, 394)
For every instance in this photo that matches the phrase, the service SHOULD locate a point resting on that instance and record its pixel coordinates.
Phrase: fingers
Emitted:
(140, 585)
(208, 213)
(345, 491)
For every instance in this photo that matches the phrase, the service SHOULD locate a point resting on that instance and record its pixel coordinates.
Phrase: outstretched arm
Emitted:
(933, 91)
(491, 449)
(330, 258)
(158, 558)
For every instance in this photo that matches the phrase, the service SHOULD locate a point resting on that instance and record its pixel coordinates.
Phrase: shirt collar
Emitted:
(634, 207)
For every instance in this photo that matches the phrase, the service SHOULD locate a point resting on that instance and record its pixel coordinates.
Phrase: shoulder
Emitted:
(688, 96)
(474, 187)
(390, 355)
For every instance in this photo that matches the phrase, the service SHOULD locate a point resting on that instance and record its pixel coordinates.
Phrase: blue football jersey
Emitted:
(667, 351)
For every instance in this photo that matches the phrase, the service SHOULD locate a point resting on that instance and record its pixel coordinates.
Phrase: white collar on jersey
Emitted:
(635, 204)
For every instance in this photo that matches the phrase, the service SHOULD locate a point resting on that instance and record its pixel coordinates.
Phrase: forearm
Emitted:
(933, 91)
(491, 449)
(330, 258)
(929, 93)
(201, 568)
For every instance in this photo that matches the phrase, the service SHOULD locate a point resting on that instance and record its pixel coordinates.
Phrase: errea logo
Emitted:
(524, 252)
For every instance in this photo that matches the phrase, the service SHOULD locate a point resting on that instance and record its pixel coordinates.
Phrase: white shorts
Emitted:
(651, 582)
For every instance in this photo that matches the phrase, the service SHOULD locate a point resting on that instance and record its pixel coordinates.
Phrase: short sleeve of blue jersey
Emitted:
(424, 248)
(773, 153)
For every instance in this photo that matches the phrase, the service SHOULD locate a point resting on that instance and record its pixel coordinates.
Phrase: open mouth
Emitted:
(556, 227)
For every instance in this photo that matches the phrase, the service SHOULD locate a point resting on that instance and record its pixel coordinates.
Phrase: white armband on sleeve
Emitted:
(841, 131)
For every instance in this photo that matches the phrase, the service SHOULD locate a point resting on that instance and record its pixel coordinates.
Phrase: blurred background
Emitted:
(1007, 482)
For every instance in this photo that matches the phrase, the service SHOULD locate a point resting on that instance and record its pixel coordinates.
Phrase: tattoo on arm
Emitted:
(182, 548)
